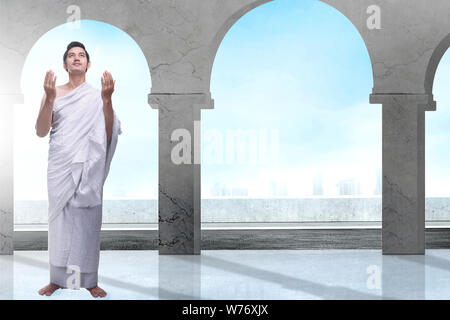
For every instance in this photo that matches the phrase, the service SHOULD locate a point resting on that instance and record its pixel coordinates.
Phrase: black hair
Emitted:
(74, 44)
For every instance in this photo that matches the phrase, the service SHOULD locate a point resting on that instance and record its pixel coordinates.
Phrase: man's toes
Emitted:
(43, 290)
(99, 293)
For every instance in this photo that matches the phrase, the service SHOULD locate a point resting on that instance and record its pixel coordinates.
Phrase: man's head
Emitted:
(76, 58)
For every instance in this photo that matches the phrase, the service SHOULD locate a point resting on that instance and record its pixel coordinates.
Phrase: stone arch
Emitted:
(27, 46)
(223, 30)
(433, 64)
(24, 23)
(355, 25)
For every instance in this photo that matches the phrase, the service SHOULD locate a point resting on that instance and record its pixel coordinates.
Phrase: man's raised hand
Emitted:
(107, 86)
(50, 85)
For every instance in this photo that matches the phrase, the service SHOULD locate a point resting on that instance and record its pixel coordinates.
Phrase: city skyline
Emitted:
(346, 186)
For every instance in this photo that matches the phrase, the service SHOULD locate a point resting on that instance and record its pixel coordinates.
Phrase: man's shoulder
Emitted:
(61, 90)
(94, 92)
(92, 88)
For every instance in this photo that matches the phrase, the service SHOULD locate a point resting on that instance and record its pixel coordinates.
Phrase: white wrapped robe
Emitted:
(78, 163)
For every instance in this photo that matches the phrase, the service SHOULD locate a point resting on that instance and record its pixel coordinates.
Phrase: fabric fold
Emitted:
(79, 155)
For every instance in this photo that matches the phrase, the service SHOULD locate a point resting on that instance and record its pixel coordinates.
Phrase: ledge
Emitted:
(425, 99)
(246, 237)
(201, 100)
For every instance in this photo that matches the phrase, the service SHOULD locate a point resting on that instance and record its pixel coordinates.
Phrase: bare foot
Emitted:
(97, 292)
(49, 289)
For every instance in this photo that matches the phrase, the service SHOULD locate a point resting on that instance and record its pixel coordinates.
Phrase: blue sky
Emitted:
(302, 68)
(295, 68)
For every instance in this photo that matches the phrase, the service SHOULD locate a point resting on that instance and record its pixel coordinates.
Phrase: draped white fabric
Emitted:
(79, 156)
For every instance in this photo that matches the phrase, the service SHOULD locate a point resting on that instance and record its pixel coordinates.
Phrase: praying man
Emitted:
(83, 138)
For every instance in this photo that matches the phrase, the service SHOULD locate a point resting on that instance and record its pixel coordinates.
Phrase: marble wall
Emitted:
(405, 40)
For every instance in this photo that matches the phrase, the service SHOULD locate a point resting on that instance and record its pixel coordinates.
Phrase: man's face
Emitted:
(76, 61)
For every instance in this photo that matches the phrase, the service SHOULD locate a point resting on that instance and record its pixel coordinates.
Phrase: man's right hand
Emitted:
(50, 85)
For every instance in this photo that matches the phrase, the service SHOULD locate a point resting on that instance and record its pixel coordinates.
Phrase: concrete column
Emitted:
(179, 171)
(7, 102)
(403, 199)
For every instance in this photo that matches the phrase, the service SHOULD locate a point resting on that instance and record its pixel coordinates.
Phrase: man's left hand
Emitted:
(107, 86)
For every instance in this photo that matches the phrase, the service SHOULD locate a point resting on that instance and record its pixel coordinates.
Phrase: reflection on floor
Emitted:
(243, 274)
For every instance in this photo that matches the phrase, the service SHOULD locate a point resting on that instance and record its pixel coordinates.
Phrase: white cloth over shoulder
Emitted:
(79, 156)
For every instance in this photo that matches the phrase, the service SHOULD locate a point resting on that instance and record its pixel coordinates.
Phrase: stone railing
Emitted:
(245, 210)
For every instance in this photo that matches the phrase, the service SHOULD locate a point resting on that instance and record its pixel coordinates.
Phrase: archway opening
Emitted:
(295, 78)
(437, 136)
(133, 174)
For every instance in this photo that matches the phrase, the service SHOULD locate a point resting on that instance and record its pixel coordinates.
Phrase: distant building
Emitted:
(348, 187)
(239, 192)
(220, 190)
(318, 185)
(379, 185)
(277, 189)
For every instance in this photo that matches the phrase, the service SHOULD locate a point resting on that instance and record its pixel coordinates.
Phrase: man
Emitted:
(83, 138)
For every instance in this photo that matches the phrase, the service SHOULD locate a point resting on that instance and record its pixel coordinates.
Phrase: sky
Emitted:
(295, 74)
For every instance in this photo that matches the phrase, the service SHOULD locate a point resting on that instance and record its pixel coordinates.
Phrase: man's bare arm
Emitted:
(45, 117)
(44, 120)
(109, 118)
(107, 90)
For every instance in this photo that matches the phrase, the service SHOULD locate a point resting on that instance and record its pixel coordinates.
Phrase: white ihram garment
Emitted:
(78, 163)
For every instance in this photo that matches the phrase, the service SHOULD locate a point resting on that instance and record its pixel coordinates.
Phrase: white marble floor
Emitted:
(243, 274)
